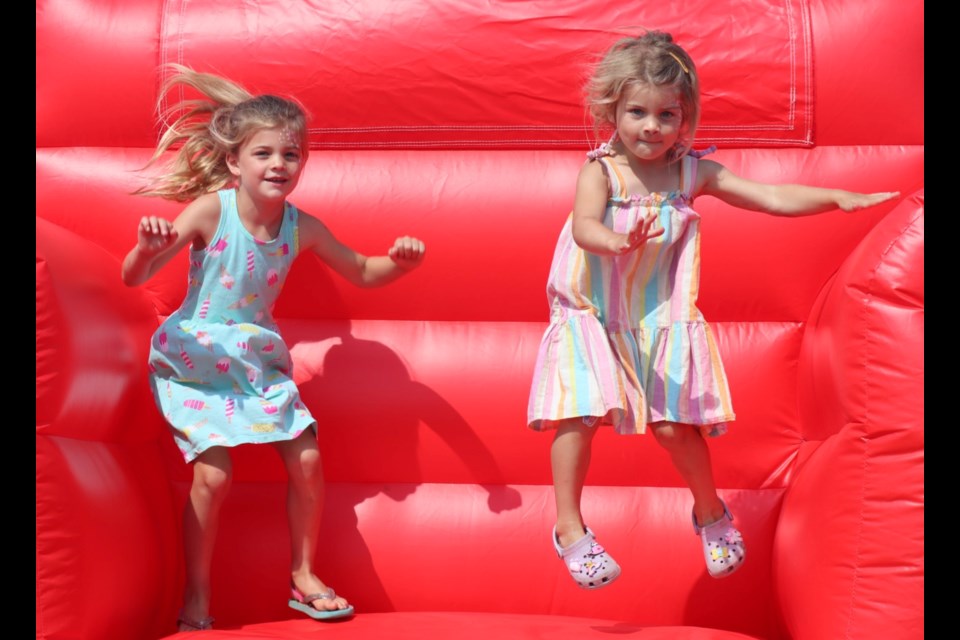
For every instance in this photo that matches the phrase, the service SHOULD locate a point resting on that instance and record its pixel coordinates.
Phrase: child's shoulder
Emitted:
(212, 199)
(707, 172)
(593, 177)
(704, 164)
(312, 229)
(203, 209)
(593, 166)
(200, 219)
(305, 218)
(614, 161)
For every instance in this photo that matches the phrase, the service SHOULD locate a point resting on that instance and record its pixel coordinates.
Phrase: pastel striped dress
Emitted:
(219, 370)
(626, 345)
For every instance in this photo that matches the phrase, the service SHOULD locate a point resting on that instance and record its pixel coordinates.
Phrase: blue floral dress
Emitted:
(220, 372)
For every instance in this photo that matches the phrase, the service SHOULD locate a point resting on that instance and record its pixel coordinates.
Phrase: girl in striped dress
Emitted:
(626, 345)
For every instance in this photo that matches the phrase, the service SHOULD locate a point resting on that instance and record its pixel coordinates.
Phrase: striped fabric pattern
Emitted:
(626, 344)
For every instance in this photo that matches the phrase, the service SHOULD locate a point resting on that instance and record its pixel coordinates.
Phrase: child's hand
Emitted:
(646, 228)
(407, 252)
(849, 201)
(154, 235)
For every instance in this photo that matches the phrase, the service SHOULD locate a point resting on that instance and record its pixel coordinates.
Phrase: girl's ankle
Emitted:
(567, 534)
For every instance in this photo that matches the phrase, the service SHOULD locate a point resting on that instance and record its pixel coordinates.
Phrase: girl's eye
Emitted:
(293, 156)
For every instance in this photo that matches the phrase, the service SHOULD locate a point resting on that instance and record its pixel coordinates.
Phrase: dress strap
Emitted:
(688, 170)
(602, 153)
(618, 188)
(688, 175)
(229, 219)
(291, 226)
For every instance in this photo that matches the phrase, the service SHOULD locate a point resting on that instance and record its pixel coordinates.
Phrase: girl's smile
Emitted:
(268, 165)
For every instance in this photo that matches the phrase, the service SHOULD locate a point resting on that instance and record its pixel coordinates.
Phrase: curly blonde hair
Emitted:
(652, 58)
(204, 131)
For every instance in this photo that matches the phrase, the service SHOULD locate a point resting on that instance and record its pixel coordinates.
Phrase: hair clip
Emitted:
(680, 62)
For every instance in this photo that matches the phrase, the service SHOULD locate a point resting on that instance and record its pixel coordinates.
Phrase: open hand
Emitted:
(849, 201)
(407, 252)
(645, 229)
(154, 235)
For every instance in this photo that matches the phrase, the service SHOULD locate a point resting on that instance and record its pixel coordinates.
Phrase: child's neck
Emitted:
(261, 219)
(650, 176)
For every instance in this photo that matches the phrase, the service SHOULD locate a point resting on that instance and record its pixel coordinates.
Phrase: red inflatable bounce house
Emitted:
(462, 123)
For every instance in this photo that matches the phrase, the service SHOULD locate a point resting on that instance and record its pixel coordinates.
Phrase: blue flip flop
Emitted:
(304, 603)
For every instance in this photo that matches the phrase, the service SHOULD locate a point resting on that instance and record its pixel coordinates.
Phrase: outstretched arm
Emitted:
(364, 271)
(780, 199)
(589, 205)
(158, 239)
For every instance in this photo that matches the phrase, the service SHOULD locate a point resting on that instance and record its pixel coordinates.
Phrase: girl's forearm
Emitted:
(802, 200)
(379, 270)
(136, 268)
(591, 235)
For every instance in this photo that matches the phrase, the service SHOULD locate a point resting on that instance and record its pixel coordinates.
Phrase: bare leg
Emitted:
(570, 459)
(212, 474)
(691, 457)
(301, 457)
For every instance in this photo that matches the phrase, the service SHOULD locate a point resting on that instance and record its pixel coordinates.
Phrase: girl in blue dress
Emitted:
(219, 369)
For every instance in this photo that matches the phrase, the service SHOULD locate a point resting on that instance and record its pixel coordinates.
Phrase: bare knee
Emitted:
(304, 468)
(575, 430)
(212, 480)
(673, 436)
(308, 467)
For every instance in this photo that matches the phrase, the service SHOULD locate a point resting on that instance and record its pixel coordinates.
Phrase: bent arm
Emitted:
(589, 205)
(158, 240)
(358, 269)
(780, 199)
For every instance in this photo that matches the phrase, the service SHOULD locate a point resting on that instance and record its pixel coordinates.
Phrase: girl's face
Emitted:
(649, 120)
(268, 164)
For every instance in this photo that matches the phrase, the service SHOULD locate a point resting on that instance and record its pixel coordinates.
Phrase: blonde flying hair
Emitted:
(204, 131)
(654, 59)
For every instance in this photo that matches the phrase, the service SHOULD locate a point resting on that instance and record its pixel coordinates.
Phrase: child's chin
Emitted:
(649, 149)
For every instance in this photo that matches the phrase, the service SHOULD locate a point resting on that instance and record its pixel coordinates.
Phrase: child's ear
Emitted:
(233, 164)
